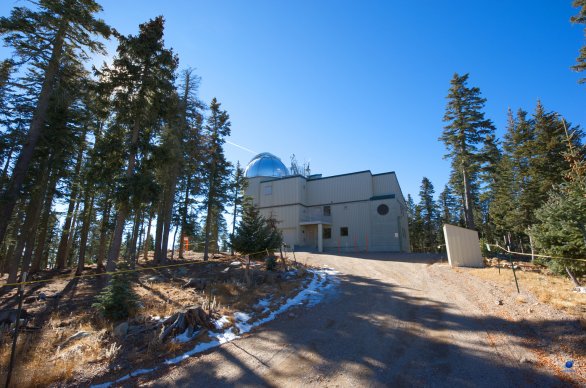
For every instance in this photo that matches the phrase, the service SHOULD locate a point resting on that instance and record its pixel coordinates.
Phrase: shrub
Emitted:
(560, 230)
(271, 263)
(256, 234)
(117, 301)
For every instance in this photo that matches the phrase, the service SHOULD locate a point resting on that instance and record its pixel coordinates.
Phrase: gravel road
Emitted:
(393, 320)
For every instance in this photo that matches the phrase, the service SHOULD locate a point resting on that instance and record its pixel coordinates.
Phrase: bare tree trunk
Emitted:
(44, 226)
(159, 236)
(532, 249)
(27, 235)
(103, 235)
(140, 239)
(10, 195)
(6, 165)
(71, 237)
(27, 229)
(468, 212)
(174, 241)
(234, 221)
(571, 275)
(85, 229)
(135, 228)
(209, 215)
(206, 247)
(184, 216)
(123, 210)
(67, 228)
(521, 245)
(147, 239)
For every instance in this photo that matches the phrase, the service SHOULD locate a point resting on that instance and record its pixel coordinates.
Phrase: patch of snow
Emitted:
(322, 282)
(264, 302)
(185, 337)
(135, 373)
(222, 322)
(198, 349)
(235, 264)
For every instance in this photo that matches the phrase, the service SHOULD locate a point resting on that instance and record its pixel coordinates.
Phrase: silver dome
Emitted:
(266, 164)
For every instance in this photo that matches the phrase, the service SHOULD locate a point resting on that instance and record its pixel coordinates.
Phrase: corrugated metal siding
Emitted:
(385, 233)
(355, 217)
(366, 229)
(345, 188)
(287, 216)
(382, 184)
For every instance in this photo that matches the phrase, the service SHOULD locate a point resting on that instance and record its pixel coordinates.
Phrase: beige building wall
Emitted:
(353, 199)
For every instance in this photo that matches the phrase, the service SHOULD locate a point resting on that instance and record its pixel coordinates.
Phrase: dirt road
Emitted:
(393, 320)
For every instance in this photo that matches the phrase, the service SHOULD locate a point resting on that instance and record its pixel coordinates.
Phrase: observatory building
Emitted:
(352, 212)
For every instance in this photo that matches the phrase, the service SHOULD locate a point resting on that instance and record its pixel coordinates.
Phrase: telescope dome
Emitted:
(266, 164)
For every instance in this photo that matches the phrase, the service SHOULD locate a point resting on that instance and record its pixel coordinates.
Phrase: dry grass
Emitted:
(44, 358)
(553, 290)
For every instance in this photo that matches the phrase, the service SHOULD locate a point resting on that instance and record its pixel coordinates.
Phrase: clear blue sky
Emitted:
(357, 85)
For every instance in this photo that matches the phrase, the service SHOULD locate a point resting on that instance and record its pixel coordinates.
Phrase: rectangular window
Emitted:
(327, 211)
(327, 233)
(344, 231)
(268, 190)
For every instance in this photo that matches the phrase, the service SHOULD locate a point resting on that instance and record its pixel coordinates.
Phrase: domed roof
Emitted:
(266, 164)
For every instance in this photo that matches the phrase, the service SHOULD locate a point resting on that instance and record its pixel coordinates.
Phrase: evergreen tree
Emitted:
(467, 128)
(141, 81)
(447, 207)
(514, 194)
(580, 19)
(255, 234)
(190, 179)
(415, 223)
(428, 215)
(561, 227)
(239, 185)
(58, 30)
(216, 169)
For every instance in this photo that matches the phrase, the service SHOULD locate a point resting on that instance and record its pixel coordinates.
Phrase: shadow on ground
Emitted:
(379, 334)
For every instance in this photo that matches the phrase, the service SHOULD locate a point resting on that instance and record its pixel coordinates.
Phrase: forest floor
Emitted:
(67, 342)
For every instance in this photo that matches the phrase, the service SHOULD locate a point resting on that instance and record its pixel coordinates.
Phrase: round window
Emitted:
(382, 209)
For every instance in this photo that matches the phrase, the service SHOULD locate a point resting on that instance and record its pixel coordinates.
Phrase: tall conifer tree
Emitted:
(465, 131)
(58, 30)
(216, 169)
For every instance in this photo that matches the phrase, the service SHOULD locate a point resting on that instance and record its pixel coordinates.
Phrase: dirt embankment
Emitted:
(67, 342)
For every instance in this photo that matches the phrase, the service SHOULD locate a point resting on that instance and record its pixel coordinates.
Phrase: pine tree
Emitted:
(580, 19)
(428, 215)
(561, 227)
(216, 169)
(467, 128)
(255, 234)
(59, 30)
(141, 80)
(447, 207)
(190, 179)
(239, 184)
(415, 223)
(514, 194)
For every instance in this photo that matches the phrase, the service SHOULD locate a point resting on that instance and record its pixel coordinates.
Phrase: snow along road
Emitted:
(393, 320)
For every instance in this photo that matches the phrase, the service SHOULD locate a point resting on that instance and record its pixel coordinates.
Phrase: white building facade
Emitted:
(353, 212)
